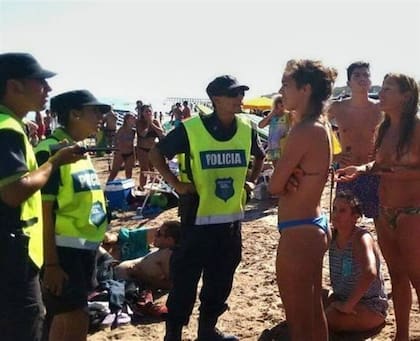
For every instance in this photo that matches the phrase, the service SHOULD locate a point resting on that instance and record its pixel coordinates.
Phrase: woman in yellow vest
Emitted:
(74, 218)
(23, 88)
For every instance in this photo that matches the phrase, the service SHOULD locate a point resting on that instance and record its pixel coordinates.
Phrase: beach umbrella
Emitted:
(260, 103)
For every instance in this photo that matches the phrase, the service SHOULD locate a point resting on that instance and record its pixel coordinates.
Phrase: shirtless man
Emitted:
(110, 127)
(186, 111)
(177, 114)
(357, 119)
(153, 269)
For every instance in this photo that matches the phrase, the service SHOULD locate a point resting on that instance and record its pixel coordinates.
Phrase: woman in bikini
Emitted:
(148, 129)
(124, 142)
(358, 301)
(306, 85)
(397, 162)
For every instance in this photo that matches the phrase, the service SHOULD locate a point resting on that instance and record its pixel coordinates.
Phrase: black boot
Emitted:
(173, 332)
(207, 331)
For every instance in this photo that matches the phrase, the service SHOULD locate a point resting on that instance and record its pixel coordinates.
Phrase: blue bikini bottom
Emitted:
(321, 222)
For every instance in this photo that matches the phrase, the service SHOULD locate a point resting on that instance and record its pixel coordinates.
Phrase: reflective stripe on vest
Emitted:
(76, 243)
(219, 171)
(218, 219)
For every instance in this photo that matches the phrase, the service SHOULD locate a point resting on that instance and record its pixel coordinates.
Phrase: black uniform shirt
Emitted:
(176, 142)
(12, 165)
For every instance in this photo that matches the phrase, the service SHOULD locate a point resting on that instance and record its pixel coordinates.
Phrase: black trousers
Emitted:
(213, 251)
(22, 312)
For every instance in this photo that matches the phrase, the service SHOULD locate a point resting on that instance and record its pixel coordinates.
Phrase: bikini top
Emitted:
(150, 133)
(128, 136)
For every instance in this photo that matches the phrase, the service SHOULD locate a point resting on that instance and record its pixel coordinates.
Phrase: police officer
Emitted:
(217, 150)
(74, 217)
(23, 88)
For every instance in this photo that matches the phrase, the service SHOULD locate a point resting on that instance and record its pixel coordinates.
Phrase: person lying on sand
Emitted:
(129, 243)
(152, 270)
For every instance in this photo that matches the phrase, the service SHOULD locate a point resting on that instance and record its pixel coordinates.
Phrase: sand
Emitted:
(254, 302)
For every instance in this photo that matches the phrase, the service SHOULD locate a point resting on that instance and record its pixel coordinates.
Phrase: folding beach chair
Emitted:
(155, 184)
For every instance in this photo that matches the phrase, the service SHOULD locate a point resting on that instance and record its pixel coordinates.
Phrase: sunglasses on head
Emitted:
(235, 93)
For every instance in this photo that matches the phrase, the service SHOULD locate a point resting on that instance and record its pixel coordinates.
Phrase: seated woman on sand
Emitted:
(397, 161)
(124, 142)
(148, 129)
(358, 301)
(306, 85)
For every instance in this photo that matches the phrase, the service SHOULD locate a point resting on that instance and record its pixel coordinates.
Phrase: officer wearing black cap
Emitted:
(217, 149)
(74, 218)
(23, 88)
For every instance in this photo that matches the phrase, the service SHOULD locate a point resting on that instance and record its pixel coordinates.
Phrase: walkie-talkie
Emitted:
(83, 149)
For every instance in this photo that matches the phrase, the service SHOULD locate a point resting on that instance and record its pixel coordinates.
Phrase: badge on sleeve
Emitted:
(97, 214)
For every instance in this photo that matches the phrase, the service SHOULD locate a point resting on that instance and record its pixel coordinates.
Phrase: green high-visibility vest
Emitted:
(219, 171)
(182, 166)
(80, 216)
(31, 209)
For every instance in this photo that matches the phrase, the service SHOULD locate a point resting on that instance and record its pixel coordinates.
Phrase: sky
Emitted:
(150, 50)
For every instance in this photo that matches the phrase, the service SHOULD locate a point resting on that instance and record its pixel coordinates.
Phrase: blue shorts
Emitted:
(365, 188)
(320, 222)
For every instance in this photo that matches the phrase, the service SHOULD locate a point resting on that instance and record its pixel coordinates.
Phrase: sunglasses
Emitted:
(234, 93)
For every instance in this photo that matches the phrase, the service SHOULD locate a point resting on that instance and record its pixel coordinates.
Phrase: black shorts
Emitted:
(79, 265)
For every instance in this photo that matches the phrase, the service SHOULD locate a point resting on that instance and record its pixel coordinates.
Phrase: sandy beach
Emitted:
(254, 303)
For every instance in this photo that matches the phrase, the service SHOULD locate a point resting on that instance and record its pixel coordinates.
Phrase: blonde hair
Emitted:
(407, 85)
(276, 100)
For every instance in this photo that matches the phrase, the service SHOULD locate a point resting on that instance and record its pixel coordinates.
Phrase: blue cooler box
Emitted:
(117, 192)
